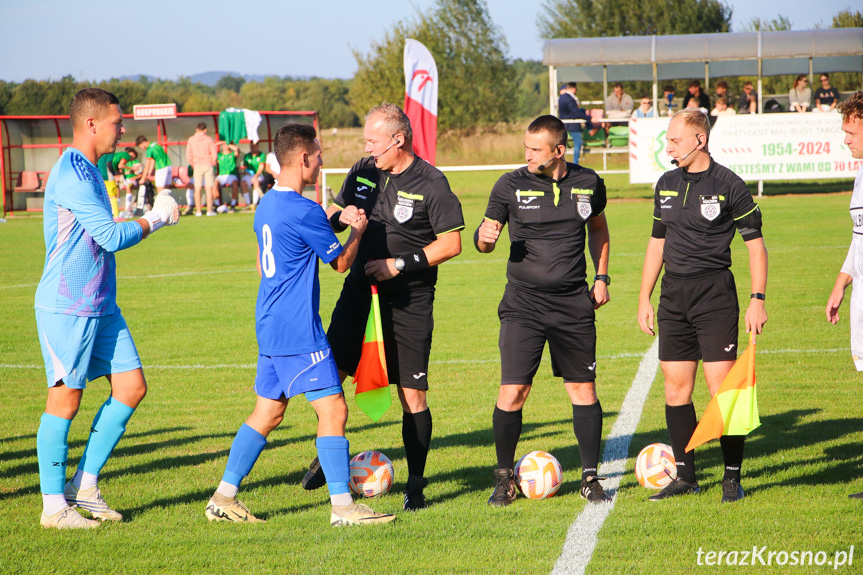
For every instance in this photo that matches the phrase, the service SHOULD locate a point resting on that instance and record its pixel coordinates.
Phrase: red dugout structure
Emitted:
(30, 145)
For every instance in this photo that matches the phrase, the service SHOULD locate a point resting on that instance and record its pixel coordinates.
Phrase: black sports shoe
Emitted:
(314, 478)
(731, 491)
(675, 488)
(504, 488)
(414, 498)
(856, 496)
(592, 490)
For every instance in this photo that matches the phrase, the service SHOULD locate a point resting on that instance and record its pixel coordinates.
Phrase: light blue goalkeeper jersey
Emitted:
(81, 237)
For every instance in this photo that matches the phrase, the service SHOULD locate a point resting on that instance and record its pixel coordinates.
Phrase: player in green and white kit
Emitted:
(157, 164)
(227, 161)
(253, 165)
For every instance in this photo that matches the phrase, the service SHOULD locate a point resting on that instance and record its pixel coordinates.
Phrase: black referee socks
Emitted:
(417, 433)
(681, 422)
(732, 454)
(507, 429)
(587, 425)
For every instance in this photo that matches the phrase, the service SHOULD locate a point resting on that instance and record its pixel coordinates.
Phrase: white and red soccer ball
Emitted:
(655, 467)
(372, 474)
(538, 475)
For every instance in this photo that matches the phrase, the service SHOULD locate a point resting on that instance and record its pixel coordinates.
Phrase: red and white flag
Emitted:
(421, 98)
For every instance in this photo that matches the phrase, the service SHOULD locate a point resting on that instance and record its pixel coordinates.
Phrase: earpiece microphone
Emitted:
(677, 162)
(387, 150)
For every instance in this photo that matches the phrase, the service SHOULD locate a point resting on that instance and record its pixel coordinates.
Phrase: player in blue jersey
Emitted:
(81, 330)
(294, 354)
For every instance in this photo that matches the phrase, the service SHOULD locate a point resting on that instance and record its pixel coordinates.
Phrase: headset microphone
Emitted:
(677, 162)
(387, 150)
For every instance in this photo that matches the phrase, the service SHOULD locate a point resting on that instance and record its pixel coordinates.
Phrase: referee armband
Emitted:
(749, 225)
(658, 230)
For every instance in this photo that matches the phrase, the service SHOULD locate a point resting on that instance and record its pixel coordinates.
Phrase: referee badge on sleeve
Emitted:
(710, 207)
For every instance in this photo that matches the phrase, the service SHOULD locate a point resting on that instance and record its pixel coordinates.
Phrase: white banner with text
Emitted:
(755, 147)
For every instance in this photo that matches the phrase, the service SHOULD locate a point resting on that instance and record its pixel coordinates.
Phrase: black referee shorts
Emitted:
(566, 321)
(697, 317)
(407, 320)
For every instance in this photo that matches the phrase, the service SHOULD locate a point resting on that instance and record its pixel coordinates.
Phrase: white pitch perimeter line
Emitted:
(583, 533)
(146, 277)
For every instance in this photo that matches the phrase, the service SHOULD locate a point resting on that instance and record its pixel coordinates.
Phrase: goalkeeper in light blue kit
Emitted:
(81, 330)
(294, 356)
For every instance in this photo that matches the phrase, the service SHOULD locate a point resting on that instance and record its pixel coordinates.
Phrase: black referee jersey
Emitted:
(406, 212)
(697, 215)
(547, 225)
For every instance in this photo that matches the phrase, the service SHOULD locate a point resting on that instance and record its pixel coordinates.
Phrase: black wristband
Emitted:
(760, 296)
(415, 261)
(336, 224)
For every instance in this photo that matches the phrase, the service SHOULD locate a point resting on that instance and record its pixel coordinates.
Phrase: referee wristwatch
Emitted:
(399, 264)
(603, 278)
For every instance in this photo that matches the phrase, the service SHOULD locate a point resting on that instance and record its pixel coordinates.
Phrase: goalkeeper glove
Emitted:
(165, 211)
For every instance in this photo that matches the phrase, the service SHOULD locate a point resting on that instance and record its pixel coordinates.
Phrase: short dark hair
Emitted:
(617, 85)
(668, 88)
(553, 128)
(291, 139)
(201, 126)
(695, 84)
(140, 139)
(129, 149)
(722, 84)
(748, 83)
(825, 74)
(572, 85)
(90, 102)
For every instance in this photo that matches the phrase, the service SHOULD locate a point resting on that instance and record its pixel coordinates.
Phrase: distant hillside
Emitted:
(212, 78)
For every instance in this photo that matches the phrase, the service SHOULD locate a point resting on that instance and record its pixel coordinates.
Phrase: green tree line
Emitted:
(480, 85)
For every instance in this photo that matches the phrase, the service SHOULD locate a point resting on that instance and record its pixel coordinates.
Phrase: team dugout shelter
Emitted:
(31, 145)
(701, 56)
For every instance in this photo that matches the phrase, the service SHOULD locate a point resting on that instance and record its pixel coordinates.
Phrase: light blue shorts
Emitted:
(81, 349)
(314, 374)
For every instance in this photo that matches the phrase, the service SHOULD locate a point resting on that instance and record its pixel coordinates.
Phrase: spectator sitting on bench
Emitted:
(227, 161)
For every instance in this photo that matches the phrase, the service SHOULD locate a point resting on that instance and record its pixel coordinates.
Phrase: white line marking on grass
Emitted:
(144, 277)
(583, 533)
(439, 362)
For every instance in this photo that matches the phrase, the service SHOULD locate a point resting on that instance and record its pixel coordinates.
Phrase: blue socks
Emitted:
(108, 427)
(247, 446)
(51, 448)
(335, 461)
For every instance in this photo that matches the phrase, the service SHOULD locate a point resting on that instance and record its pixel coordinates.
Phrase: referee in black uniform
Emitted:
(414, 225)
(548, 204)
(696, 210)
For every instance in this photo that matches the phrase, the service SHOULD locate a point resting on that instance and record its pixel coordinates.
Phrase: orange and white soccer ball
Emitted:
(538, 475)
(371, 474)
(655, 467)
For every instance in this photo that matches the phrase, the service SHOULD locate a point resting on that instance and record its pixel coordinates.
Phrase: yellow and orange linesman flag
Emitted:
(734, 408)
(373, 386)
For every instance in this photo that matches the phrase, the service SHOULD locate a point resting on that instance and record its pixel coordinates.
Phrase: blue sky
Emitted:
(47, 39)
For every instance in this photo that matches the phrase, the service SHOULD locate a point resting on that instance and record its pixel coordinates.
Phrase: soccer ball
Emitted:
(538, 475)
(655, 467)
(371, 474)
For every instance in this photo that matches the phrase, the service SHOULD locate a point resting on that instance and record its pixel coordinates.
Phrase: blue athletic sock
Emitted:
(335, 461)
(247, 446)
(51, 448)
(108, 427)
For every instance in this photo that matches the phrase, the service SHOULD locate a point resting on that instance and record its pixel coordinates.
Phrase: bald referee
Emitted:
(697, 207)
(548, 205)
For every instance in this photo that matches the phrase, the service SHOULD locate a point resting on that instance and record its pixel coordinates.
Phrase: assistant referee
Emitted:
(548, 204)
(696, 210)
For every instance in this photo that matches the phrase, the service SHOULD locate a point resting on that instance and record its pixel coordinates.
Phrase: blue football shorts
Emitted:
(314, 374)
(81, 349)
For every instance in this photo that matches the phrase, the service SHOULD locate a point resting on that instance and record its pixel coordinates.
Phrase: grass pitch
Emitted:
(188, 295)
